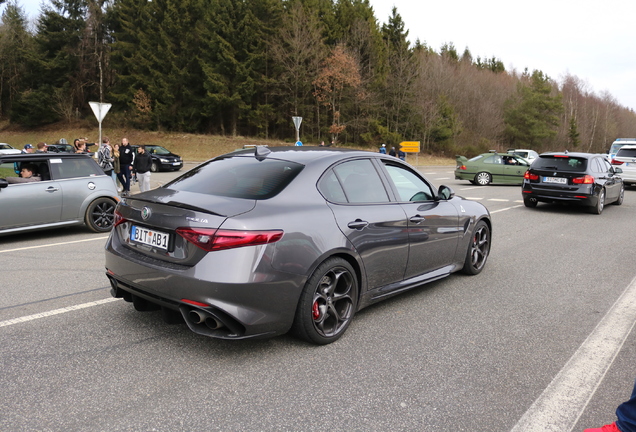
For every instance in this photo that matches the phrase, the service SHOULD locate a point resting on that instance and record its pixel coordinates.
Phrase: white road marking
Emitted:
(55, 312)
(505, 209)
(561, 404)
(53, 244)
(474, 198)
(472, 187)
(498, 199)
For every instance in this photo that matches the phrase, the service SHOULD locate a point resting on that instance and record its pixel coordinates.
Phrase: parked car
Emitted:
(491, 167)
(162, 158)
(617, 144)
(73, 191)
(529, 155)
(626, 159)
(257, 242)
(8, 149)
(580, 178)
(60, 148)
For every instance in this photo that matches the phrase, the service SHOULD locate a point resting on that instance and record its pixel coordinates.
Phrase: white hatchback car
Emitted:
(626, 159)
(7, 149)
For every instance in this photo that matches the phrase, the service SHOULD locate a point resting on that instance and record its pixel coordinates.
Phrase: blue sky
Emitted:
(592, 40)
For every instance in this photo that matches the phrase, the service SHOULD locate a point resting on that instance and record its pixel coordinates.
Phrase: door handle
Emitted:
(358, 224)
(52, 189)
(417, 219)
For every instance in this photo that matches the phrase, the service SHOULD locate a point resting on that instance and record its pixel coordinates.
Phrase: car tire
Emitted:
(154, 167)
(100, 215)
(530, 202)
(483, 179)
(478, 249)
(600, 203)
(328, 302)
(621, 196)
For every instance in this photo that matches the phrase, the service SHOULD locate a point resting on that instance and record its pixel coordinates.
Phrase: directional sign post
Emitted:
(100, 110)
(411, 147)
(297, 122)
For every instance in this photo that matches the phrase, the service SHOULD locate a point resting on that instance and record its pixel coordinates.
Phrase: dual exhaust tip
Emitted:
(201, 317)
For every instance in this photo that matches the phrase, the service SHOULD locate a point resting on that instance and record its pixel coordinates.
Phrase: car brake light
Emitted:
(616, 162)
(588, 179)
(463, 167)
(119, 219)
(213, 239)
(530, 176)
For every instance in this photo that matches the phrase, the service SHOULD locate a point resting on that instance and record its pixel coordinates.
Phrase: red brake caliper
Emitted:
(315, 311)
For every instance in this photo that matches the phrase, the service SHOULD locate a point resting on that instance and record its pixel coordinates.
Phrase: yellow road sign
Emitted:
(410, 146)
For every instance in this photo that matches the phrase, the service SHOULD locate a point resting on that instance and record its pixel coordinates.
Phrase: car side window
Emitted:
(330, 188)
(361, 182)
(73, 168)
(494, 159)
(410, 187)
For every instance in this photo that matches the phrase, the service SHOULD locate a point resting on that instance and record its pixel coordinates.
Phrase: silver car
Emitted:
(626, 159)
(72, 190)
(257, 242)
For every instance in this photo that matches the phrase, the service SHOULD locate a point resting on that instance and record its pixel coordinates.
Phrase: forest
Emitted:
(245, 67)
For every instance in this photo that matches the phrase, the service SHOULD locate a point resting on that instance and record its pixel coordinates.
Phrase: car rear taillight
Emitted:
(119, 219)
(530, 176)
(463, 167)
(587, 179)
(213, 239)
(617, 162)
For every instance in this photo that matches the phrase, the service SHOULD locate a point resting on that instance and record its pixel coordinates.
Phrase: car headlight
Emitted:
(164, 160)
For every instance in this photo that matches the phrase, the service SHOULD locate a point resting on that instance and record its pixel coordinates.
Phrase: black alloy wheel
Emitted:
(621, 196)
(478, 249)
(100, 215)
(154, 167)
(328, 302)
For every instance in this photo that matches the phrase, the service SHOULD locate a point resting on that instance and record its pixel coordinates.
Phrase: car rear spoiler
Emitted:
(461, 159)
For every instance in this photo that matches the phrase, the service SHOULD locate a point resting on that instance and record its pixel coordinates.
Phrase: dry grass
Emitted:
(192, 147)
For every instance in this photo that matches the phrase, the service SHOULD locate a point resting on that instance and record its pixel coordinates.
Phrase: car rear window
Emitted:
(626, 152)
(238, 177)
(560, 163)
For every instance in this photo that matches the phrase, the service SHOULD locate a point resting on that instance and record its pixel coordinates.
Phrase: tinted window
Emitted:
(409, 186)
(73, 168)
(361, 182)
(239, 177)
(627, 152)
(565, 163)
(331, 189)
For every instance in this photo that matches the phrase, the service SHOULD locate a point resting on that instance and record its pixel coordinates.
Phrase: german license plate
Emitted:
(176, 163)
(559, 180)
(149, 237)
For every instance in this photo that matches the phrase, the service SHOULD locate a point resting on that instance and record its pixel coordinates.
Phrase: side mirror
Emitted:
(618, 170)
(445, 193)
(3, 183)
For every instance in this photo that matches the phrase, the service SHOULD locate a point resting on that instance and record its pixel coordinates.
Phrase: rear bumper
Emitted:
(261, 304)
(581, 196)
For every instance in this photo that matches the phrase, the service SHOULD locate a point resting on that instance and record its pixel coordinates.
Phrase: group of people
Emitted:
(122, 163)
(395, 153)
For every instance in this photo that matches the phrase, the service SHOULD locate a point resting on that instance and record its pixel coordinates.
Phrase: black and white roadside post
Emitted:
(100, 110)
(297, 122)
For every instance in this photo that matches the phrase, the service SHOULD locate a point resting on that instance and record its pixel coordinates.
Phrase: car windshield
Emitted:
(560, 163)
(158, 150)
(5, 147)
(238, 177)
(626, 152)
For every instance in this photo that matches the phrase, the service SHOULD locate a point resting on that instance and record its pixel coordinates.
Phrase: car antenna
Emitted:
(261, 152)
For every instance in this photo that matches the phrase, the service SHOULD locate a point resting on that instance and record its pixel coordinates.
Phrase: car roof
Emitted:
(628, 147)
(572, 154)
(306, 154)
(42, 156)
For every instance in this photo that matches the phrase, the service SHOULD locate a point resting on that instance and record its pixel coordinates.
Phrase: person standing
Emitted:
(126, 159)
(41, 147)
(383, 149)
(141, 167)
(28, 148)
(105, 157)
(117, 167)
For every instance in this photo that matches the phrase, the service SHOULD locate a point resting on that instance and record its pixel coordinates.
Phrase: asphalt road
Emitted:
(541, 340)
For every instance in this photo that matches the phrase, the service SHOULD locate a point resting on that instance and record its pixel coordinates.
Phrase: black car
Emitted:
(581, 178)
(257, 242)
(60, 148)
(162, 158)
